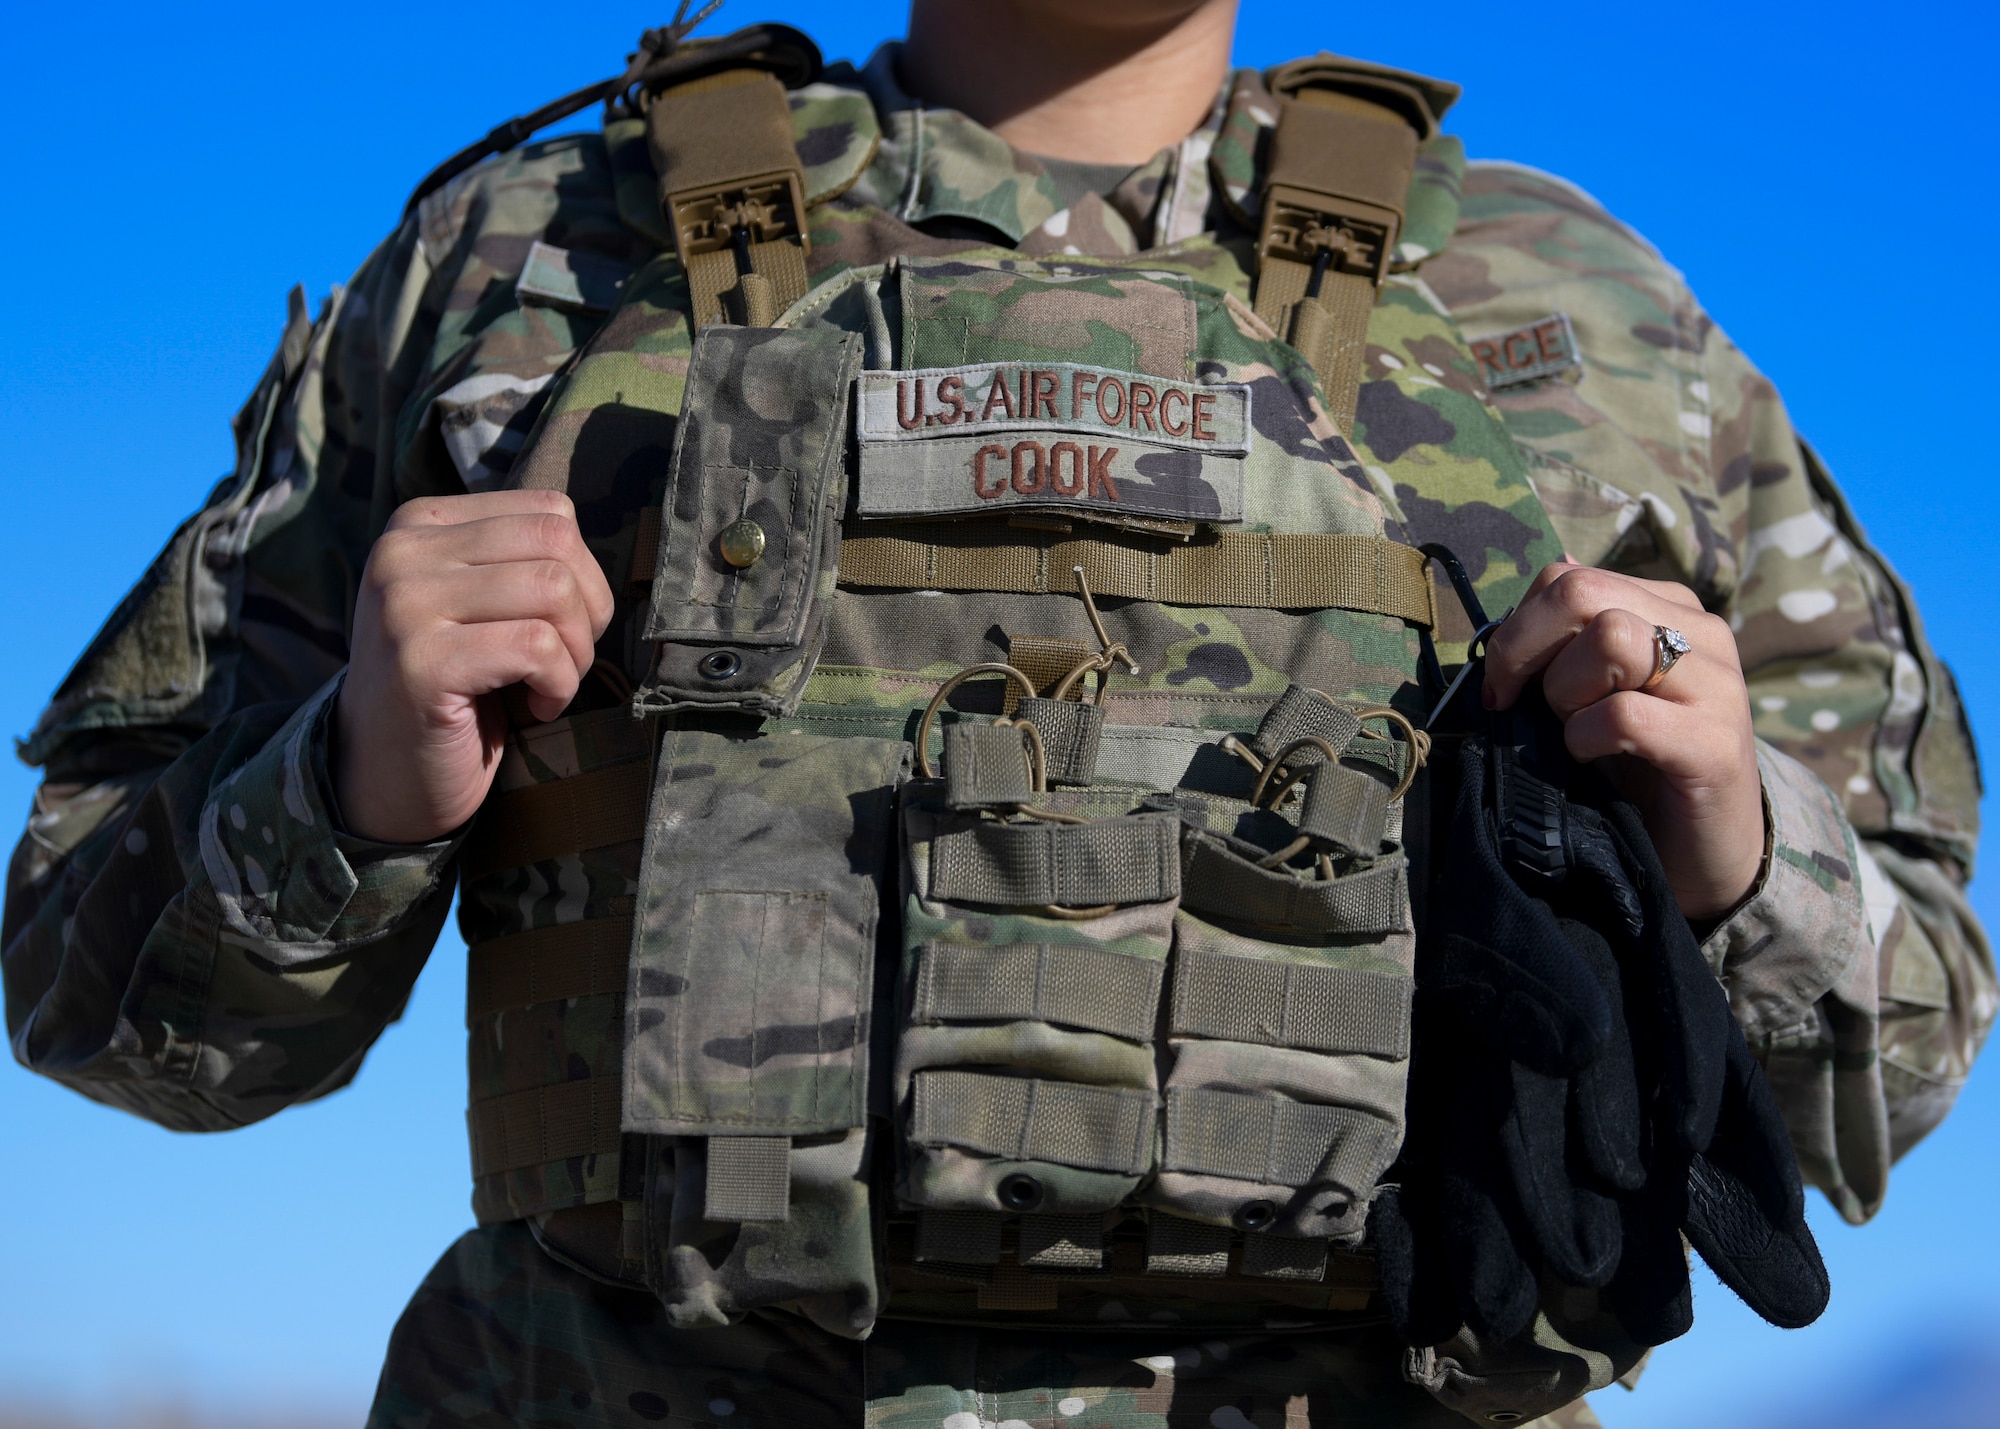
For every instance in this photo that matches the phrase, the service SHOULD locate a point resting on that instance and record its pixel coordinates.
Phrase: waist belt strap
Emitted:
(547, 965)
(542, 1124)
(733, 192)
(585, 811)
(1250, 570)
(1334, 192)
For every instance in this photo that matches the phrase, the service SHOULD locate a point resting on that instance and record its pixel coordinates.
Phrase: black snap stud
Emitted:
(1020, 1192)
(1255, 1215)
(720, 664)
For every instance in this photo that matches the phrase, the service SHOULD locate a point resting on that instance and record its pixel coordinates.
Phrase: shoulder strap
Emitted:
(1334, 190)
(664, 58)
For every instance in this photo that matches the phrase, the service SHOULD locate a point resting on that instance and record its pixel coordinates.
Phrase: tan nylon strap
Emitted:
(1071, 733)
(552, 964)
(729, 175)
(1070, 984)
(543, 1124)
(1276, 1004)
(1244, 569)
(1043, 661)
(1134, 858)
(541, 821)
(986, 766)
(1346, 808)
(1177, 1246)
(1334, 190)
(1031, 1119)
(1062, 1242)
(1273, 1142)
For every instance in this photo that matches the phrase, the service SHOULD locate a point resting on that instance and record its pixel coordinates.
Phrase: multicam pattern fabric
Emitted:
(189, 934)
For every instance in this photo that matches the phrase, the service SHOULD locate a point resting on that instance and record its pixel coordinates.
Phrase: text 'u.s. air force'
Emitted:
(960, 439)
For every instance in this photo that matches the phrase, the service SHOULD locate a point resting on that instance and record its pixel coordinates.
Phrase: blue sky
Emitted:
(1819, 171)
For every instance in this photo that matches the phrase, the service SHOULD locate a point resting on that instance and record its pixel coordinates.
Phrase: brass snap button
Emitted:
(741, 543)
(720, 664)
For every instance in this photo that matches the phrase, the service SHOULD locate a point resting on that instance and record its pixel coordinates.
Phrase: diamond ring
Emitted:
(1668, 647)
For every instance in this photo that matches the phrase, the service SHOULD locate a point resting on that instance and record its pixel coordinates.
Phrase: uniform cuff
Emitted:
(1803, 928)
(283, 870)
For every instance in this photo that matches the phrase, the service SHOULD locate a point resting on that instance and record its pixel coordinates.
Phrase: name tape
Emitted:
(944, 440)
(1528, 353)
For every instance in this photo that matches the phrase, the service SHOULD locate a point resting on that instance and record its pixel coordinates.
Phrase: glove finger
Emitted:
(1417, 1289)
(1650, 1295)
(1751, 1140)
(1496, 954)
(1498, 1289)
(1774, 1268)
(1604, 1096)
(1689, 1013)
(1574, 1228)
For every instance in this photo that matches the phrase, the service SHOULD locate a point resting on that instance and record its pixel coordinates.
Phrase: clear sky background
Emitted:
(1822, 172)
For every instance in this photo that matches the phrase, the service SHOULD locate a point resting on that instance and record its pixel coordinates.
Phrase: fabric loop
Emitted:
(986, 766)
(1219, 881)
(1029, 1119)
(1276, 1004)
(1070, 984)
(1274, 1142)
(749, 1178)
(1130, 859)
(1070, 735)
(1346, 808)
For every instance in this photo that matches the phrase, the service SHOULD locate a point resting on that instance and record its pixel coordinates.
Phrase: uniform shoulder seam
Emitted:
(1582, 195)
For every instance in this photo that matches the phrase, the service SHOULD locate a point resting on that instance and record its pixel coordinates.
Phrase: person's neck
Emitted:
(1067, 87)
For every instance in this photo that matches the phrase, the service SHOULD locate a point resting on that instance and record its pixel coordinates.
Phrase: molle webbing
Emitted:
(1274, 1004)
(1271, 1141)
(528, 1128)
(562, 816)
(1068, 984)
(1135, 859)
(550, 964)
(1339, 174)
(733, 193)
(1248, 570)
(1033, 1119)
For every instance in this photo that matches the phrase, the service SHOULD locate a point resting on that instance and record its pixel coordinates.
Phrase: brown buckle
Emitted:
(1329, 233)
(763, 209)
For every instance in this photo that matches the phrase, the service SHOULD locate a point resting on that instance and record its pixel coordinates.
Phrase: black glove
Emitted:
(1579, 1091)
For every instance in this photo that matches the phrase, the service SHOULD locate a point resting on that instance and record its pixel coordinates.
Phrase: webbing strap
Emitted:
(1043, 660)
(542, 1124)
(551, 964)
(960, 1237)
(1273, 1142)
(1335, 186)
(1177, 1246)
(986, 766)
(1029, 1119)
(733, 193)
(1283, 1257)
(1134, 858)
(1346, 808)
(1061, 1242)
(1070, 734)
(1317, 1009)
(1216, 879)
(1070, 984)
(1246, 569)
(1298, 713)
(540, 821)
(749, 1178)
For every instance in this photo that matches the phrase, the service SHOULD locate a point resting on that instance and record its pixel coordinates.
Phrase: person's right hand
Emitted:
(462, 596)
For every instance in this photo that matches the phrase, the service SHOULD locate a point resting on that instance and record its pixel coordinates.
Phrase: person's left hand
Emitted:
(1682, 751)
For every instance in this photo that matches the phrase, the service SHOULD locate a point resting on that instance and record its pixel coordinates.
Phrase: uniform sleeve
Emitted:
(188, 933)
(1855, 966)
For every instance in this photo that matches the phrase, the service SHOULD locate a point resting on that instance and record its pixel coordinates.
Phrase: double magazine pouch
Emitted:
(1181, 1002)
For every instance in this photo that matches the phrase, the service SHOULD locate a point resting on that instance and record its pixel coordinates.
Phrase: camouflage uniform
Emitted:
(191, 935)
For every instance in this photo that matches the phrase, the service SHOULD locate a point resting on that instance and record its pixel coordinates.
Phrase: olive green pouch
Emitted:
(1034, 954)
(747, 1021)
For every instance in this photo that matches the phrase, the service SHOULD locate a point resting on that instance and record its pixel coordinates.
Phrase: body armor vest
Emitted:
(985, 892)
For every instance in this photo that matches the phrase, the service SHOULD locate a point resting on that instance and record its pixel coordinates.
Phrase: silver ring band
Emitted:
(1668, 647)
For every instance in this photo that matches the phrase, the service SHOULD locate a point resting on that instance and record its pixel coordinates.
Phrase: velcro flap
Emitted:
(1070, 984)
(994, 435)
(1030, 1119)
(1300, 713)
(1274, 1142)
(1281, 1004)
(749, 1178)
(986, 766)
(1070, 734)
(1223, 883)
(1129, 859)
(1347, 808)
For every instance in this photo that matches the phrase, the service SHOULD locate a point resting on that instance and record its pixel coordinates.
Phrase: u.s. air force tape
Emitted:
(1008, 434)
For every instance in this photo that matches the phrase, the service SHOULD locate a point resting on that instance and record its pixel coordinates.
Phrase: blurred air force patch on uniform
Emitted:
(982, 436)
(1529, 353)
